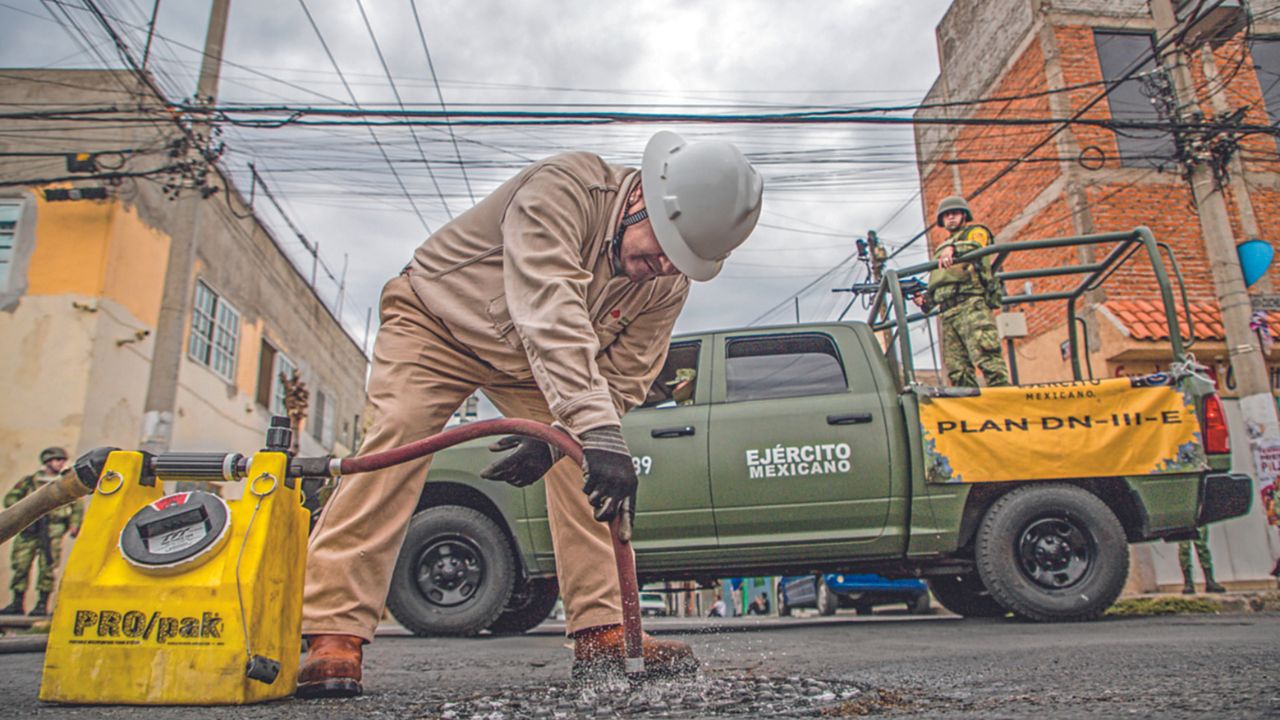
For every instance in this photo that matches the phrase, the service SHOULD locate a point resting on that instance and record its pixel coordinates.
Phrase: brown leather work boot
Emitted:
(598, 653)
(332, 667)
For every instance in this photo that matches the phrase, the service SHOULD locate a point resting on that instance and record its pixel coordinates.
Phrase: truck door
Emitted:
(667, 435)
(799, 446)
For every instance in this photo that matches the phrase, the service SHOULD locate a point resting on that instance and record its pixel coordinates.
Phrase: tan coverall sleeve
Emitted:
(543, 232)
(635, 358)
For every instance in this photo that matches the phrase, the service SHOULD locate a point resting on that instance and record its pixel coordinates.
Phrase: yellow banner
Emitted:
(1096, 428)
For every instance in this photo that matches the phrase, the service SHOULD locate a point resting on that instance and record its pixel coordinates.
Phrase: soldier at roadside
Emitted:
(42, 540)
(965, 294)
(1201, 544)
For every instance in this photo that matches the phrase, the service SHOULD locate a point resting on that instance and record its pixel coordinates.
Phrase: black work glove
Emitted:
(610, 476)
(530, 461)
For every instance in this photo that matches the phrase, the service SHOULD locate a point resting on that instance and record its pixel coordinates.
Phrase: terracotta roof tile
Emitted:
(1146, 320)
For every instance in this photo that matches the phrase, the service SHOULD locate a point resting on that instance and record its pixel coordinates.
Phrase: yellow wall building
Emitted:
(81, 286)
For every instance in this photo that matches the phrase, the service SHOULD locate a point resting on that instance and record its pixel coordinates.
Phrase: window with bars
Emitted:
(321, 419)
(1118, 54)
(1266, 58)
(10, 212)
(284, 368)
(215, 332)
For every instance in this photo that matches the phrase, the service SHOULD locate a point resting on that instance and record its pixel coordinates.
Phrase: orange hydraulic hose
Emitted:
(622, 553)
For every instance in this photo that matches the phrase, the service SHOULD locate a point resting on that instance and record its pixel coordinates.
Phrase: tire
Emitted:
(1052, 553)
(827, 602)
(454, 573)
(919, 605)
(784, 610)
(527, 608)
(966, 596)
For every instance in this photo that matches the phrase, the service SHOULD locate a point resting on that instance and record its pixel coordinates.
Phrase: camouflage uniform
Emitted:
(966, 296)
(1201, 544)
(682, 386)
(47, 532)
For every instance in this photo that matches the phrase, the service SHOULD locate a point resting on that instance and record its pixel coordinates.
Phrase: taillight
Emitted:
(1216, 440)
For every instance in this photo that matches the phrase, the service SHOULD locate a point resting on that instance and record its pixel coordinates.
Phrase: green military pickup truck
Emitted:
(808, 449)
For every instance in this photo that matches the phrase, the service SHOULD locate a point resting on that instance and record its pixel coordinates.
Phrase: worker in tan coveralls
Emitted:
(556, 295)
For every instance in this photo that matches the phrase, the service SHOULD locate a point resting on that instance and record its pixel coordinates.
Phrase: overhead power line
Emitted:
(386, 158)
(400, 102)
(453, 138)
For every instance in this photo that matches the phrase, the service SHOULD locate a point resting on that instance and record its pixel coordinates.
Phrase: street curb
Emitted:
(23, 644)
(1229, 603)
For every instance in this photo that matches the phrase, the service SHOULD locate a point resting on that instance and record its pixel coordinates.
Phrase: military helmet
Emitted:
(52, 453)
(953, 202)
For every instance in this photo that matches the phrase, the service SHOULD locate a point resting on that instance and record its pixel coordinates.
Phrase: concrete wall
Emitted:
(116, 250)
(1244, 549)
(79, 328)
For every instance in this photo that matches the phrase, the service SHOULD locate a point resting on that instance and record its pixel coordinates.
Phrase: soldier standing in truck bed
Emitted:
(965, 295)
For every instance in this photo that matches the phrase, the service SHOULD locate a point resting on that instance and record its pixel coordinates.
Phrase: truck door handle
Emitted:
(671, 432)
(849, 419)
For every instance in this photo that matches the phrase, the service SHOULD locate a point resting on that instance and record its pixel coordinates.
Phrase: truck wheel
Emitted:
(1052, 553)
(919, 605)
(527, 608)
(966, 596)
(827, 601)
(454, 573)
(784, 610)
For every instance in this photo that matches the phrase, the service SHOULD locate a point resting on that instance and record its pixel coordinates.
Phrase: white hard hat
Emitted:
(703, 200)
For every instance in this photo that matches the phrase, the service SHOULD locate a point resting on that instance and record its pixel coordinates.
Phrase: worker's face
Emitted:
(641, 255)
(55, 465)
(953, 219)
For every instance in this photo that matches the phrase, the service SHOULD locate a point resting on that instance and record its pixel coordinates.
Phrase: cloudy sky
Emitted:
(368, 198)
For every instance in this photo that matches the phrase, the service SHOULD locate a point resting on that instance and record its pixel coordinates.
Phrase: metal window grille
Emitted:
(284, 368)
(215, 332)
(9, 214)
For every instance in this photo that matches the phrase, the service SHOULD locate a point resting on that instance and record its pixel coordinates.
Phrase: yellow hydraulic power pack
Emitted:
(182, 598)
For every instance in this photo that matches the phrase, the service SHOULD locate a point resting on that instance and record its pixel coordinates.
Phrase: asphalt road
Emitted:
(899, 666)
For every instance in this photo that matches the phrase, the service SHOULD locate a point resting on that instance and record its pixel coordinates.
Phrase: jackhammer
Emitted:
(160, 520)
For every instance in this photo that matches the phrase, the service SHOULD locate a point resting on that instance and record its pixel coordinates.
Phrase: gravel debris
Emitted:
(701, 695)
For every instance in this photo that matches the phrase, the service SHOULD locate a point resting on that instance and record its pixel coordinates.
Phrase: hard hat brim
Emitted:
(673, 245)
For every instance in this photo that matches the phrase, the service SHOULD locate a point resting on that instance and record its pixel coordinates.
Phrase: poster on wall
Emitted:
(1266, 458)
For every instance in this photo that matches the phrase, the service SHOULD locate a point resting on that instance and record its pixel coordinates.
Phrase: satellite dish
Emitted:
(1255, 258)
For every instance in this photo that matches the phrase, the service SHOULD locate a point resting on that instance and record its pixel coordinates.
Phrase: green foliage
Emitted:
(1143, 607)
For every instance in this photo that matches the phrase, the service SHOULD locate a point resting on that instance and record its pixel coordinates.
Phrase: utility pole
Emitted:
(1256, 402)
(166, 356)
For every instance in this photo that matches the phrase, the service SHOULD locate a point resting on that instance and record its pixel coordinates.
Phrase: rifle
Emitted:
(39, 530)
(911, 287)
(46, 545)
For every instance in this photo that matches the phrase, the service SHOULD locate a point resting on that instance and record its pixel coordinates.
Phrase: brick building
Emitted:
(1052, 59)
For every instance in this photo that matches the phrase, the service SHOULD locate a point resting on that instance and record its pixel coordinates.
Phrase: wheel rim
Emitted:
(1055, 552)
(449, 571)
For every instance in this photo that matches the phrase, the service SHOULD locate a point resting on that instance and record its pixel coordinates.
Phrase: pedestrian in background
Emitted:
(42, 540)
(965, 294)
(1201, 544)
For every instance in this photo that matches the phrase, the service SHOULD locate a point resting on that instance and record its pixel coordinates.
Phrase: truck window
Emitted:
(677, 384)
(778, 366)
